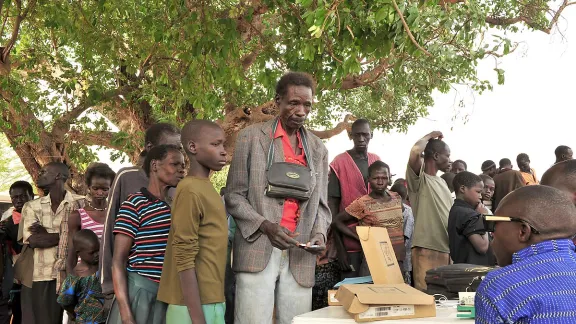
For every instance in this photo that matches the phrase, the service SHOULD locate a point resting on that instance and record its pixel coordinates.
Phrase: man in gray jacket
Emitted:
(270, 265)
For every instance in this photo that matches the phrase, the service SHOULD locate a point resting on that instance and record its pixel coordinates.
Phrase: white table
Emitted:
(337, 314)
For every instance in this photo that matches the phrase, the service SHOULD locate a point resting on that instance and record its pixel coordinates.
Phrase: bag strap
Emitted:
(271, 149)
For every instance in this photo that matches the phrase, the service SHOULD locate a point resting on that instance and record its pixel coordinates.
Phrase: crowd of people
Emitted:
(155, 243)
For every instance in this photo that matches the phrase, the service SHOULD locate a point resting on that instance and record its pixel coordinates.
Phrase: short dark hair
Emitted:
(193, 128)
(360, 122)
(377, 165)
(466, 179)
(155, 132)
(462, 162)
(562, 149)
(434, 146)
(61, 167)
(487, 165)
(485, 177)
(505, 162)
(522, 156)
(98, 169)
(400, 189)
(84, 236)
(294, 79)
(158, 153)
(21, 184)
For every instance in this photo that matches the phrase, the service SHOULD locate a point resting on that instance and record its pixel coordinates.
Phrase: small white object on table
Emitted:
(337, 314)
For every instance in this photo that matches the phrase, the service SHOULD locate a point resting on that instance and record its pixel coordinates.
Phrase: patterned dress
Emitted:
(85, 294)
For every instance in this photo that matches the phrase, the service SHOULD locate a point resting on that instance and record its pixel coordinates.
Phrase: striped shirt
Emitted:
(538, 287)
(86, 222)
(145, 219)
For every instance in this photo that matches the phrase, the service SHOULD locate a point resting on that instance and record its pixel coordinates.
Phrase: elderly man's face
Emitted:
(295, 106)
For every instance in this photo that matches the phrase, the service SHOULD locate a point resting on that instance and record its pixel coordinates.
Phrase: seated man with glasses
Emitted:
(537, 281)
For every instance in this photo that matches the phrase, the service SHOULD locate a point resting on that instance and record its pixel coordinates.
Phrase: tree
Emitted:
(11, 169)
(69, 70)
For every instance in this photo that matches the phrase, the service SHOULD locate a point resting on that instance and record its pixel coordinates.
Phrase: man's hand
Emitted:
(435, 134)
(36, 228)
(280, 237)
(319, 244)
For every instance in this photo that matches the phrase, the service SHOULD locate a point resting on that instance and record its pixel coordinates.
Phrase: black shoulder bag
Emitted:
(288, 180)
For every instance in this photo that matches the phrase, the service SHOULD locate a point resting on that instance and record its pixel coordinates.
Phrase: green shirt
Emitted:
(198, 239)
(431, 202)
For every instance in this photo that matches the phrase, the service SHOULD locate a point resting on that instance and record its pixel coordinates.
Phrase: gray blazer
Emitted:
(246, 202)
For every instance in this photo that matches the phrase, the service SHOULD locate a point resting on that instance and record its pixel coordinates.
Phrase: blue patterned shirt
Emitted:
(538, 287)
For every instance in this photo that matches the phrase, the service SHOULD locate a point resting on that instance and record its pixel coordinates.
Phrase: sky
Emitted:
(533, 112)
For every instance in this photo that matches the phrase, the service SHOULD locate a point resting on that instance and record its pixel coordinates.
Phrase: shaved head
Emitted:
(194, 129)
(562, 176)
(544, 213)
(548, 209)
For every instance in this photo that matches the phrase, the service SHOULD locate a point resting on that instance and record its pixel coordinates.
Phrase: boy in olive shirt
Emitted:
(192, 281)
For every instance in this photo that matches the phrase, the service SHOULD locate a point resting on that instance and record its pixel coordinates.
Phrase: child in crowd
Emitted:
(402, 191)
(192, 282)
(81, 293)
(488, 191)
(380, 208)
(469, 241)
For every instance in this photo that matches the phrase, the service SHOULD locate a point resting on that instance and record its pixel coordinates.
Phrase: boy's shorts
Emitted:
(213, 314)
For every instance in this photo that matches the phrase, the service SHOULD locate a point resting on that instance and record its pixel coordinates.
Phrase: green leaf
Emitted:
(381, 13)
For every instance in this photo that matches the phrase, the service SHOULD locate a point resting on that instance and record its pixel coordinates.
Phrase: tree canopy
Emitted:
(74, 74)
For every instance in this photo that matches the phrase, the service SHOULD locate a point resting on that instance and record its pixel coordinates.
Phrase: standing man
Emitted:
(42, 220)
(269, 264)
(128, 181)
(348, 178)
(431, 202)
(528, 173)
(506, 181)
(563, 153)
(489, 168)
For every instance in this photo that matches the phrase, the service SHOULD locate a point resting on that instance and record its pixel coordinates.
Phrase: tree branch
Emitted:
(408, 29)
(355, 81)
(99, 138)
(502, 21)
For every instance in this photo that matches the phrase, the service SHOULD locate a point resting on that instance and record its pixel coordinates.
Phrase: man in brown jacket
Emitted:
(272, 270)
(506, 181)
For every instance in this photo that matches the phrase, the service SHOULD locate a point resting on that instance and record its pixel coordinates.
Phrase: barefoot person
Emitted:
(536, 282)
(141, 235)
(192, 281)
(431, 201)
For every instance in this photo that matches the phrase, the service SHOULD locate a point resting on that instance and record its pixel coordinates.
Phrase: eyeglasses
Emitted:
(490, 222)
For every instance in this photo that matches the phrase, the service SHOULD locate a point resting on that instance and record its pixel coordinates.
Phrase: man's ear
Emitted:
(524, 233)
(371, 135)
(461, 189)
(191, 147)
(277, 99)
